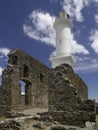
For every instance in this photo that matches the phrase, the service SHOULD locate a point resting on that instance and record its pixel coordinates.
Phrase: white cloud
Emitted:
(78, 48)
(96, 0)
(87, 68)
(75, 7)
(4, 51)
(94, 40)
(86, 65)
(96, 18)
(82, 58)
(1, 71)
(94, 61)
(41, 28)
(53, 54)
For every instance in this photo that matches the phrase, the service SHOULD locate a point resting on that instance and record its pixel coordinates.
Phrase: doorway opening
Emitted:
(25, 92)
(0, 81)
(22, 91)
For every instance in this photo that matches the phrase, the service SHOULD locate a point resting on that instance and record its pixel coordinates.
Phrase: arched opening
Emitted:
(22, 89)
(23, 84)
(25, 92)
(1, 76)
(25, 71)
(0, 81)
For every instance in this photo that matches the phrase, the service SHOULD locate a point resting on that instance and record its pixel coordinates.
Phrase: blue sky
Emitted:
(28, 25)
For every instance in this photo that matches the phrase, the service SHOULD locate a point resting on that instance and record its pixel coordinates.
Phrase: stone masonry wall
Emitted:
(67, 103)
(4, 101)
(22, 67)
(63, 94)
(97, 108)
(60, 89)
(75, 80)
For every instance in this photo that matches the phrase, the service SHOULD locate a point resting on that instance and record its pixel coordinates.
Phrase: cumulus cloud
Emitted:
(4, 51)
(86, 65)
(41, 28)
(77, 48)
(94, 40)
(96, 1)
(96, 18)
(87, 68)
(53, 54)
(1, 71)
(75, 7)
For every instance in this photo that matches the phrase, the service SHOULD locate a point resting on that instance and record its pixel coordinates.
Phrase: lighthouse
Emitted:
(63, 26)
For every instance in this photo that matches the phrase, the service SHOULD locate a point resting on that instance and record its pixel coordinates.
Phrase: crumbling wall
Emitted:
(60, 89)
(22, 67)
(4, 101)
(97, 108)
(64, 91)
(75, 80)
(67, 103)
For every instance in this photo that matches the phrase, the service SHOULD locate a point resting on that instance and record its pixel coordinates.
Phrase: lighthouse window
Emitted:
(60, 41)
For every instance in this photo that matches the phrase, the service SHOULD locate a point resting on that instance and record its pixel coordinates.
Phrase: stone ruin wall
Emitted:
(97, 108)
(22, 67)
(65, 86)
(68, 98)
(60, 89)
(76, 81)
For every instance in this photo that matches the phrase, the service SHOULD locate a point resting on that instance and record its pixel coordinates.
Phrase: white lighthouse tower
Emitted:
(63, 26)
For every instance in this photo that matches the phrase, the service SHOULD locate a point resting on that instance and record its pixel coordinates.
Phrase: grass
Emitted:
(97, 122)
(2, 118)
